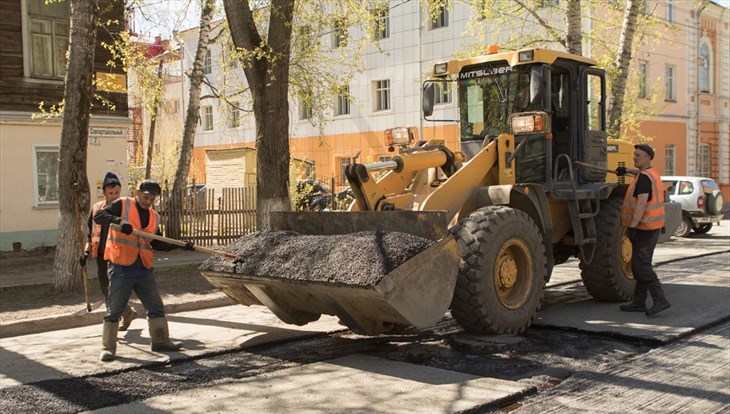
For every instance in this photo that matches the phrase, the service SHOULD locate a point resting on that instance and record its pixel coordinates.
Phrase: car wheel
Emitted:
(703, 228)
(685, 227)
(714, 203)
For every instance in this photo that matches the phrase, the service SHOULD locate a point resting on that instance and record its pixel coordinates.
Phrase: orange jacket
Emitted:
(653, 217)
(96, 228)
(123, 249)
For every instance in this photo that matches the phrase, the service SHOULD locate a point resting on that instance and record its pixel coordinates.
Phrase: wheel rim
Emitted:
(626, 256)
(514, 273)
(682, 229)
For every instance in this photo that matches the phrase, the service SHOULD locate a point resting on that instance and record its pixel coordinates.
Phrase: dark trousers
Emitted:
(101, 273)
(642, 252)
(127, 279)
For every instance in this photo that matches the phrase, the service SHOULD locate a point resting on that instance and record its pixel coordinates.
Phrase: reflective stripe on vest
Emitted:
(653, 217)
(123, 249)
(96, 228)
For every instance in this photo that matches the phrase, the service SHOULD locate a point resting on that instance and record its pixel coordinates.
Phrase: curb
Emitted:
(54, 323)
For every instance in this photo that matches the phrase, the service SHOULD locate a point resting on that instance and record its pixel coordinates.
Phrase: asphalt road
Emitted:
(579, 356)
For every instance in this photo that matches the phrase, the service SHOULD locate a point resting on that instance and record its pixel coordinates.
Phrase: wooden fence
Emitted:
(208, 216)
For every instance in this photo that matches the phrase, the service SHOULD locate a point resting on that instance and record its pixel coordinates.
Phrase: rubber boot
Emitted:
(109, 341)
(660, 301)
(638, 303)
(161, 336)
(127, 317)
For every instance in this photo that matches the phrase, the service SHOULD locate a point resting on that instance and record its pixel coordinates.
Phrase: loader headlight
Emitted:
(401, 136)
(529, 123)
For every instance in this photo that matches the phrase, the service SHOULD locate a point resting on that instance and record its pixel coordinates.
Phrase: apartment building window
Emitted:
(382, 95)
(669, 83)
(173, 106)
(49, 29)
(442, 93)
(343, 102)
(234, 115)
(704, 160)
(305, 109)
(343, 162)
(669, 160)
(46, 174)
(705, 67)
(549, 3)
(304, 40)
(441, 19)
(208, 63)
(643, 77)
(669, 10)
(384, 158)
(381, 19)
(340, 33)
(207, 118)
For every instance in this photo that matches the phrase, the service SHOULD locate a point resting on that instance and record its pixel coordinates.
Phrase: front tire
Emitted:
(608, 276)
(685, 227)
(703, 228)
(501, 273)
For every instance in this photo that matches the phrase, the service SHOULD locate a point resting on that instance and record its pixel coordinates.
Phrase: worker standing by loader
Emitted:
(131, 267)
(111, 188)
(643, 215)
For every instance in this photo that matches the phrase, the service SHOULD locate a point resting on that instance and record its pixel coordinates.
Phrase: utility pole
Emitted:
(698, 69)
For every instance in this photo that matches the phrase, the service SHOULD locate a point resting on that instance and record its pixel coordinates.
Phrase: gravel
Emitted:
(359, 259)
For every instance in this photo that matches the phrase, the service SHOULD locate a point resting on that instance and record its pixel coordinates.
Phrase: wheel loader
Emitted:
(527, 190)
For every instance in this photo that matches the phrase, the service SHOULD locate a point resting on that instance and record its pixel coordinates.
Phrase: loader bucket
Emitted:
(415, 293)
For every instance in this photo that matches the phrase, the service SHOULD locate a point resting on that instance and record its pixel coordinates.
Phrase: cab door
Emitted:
(593, 139)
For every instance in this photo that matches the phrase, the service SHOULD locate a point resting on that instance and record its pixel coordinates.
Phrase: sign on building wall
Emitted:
(107, 132)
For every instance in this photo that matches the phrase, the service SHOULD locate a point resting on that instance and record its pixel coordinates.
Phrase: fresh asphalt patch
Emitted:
(698, 288)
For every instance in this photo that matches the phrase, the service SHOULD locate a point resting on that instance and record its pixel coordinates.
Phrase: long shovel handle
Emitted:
(593, 167)
(151, 236)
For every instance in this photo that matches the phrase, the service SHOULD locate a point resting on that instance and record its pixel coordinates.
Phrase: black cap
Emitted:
(150, 187)
(646, 148)
(110, 179)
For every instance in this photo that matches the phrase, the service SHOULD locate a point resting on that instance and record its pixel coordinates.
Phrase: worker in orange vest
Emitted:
(131, 266)
(643, 216)
(111, 188)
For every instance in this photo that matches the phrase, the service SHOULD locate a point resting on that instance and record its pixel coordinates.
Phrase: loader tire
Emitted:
(501, 273)
(608, 276)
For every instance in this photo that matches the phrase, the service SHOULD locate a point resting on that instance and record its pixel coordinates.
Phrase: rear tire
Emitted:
(608, 276)
(714, 203)
(501, 273)
(685, 227)
(703, 228)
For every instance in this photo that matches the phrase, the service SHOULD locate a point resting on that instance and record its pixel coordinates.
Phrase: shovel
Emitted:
(593, 167)
(179, 243)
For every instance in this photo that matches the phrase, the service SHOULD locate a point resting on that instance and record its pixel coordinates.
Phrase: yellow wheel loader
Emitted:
(527, 189)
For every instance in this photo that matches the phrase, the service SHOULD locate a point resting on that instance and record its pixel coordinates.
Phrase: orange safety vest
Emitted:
(653, 217)
(123, 249)
(96, 228)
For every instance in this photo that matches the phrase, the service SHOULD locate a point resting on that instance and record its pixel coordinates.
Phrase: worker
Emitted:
(643, 216)
(131, 267)
(111, 188)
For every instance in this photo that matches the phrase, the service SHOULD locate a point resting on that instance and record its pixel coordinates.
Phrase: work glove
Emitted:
(631, 234)
(126, 228)
(621, 171)
(189, 246)
(84, 258)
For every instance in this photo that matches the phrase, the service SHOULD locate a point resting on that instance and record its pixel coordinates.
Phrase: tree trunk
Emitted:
(73, 183)
(574, 37)
(268, 78)
(153, 123)
(191, 116)
(621, 67)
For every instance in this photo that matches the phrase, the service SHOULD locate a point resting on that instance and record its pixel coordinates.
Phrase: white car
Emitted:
(701, 201)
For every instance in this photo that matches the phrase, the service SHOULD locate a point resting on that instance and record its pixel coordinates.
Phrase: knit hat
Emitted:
(647, 149)
(150, 187)
(110, 179)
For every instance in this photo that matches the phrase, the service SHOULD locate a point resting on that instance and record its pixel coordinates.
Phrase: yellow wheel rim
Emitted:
(514, 273)
(626, 257)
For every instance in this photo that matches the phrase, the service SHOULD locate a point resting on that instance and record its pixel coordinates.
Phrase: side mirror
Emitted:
(428, 99)
(540, 88)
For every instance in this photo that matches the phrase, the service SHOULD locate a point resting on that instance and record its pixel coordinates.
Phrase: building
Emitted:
(33, 43)
(683, 67)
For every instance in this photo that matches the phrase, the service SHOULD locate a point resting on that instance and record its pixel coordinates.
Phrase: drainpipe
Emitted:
(698, 133)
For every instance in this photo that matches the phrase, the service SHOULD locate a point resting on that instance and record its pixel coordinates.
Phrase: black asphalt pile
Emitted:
(360, 259)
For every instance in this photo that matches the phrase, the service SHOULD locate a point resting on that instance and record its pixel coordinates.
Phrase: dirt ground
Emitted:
(179, 284)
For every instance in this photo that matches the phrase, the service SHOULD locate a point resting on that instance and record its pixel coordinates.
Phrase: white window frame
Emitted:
(51, 148)
(208, 63)
(643, 79)
(381, 95)
(342, 104)
(381, 17)
(27, 36)
(207, 117)
(670, 83)
(670, 160)
(234, 115)
(443, 93)
(705, 160)
(343, 162)
(705, 67)
(339, 33)
(441, 20)
(669, 11)
(305, 110)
